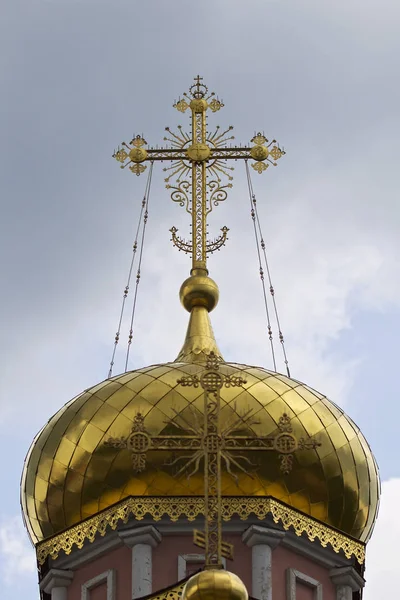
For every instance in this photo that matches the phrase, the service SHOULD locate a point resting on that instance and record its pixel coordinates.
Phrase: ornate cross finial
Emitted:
(198, 89)
(199, 176)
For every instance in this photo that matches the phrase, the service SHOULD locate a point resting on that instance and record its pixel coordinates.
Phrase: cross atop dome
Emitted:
(199, 175)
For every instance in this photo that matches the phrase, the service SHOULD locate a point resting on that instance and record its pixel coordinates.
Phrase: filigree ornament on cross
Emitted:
(138, 443)
(137, 154)
(200, 174)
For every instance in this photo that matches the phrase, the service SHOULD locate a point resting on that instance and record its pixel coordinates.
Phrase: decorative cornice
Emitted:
(56, 578)
(141, 535)
(347, 576)
(191, 508)
(256, 535)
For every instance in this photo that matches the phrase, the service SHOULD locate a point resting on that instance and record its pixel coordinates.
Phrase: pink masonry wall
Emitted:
(165, 569)
(99, 592)
(283, 558)
(303, 592)
(120, 560)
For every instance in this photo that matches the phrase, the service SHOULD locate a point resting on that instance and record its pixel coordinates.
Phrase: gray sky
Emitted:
(80, 76)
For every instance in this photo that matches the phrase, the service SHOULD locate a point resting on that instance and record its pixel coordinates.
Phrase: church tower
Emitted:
(197, 478)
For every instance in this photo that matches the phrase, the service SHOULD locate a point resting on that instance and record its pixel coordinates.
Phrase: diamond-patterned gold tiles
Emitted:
(71, 474)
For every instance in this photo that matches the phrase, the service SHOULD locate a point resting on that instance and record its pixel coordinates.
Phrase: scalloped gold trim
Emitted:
(174, 592)
(191, 508)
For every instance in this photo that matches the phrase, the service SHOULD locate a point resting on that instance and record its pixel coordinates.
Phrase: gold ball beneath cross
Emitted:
(199, 290)
(215, 584)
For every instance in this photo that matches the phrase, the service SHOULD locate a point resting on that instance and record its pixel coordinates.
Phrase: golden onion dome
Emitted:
(215, 584)
(81, 461)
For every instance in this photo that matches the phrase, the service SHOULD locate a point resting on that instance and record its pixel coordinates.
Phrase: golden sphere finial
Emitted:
(199, 290)
(214, 584)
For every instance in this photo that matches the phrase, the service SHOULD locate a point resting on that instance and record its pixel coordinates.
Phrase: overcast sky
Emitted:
(80, 76)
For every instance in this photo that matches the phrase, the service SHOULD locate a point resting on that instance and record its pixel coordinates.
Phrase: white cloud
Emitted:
(382, 572)
(16, 554)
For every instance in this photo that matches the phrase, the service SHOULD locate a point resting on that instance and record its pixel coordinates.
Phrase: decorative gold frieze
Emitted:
(190, 508)
(173, 592)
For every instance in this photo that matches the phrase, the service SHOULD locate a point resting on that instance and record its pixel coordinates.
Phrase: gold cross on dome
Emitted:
(199, 175)
(212, 442)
